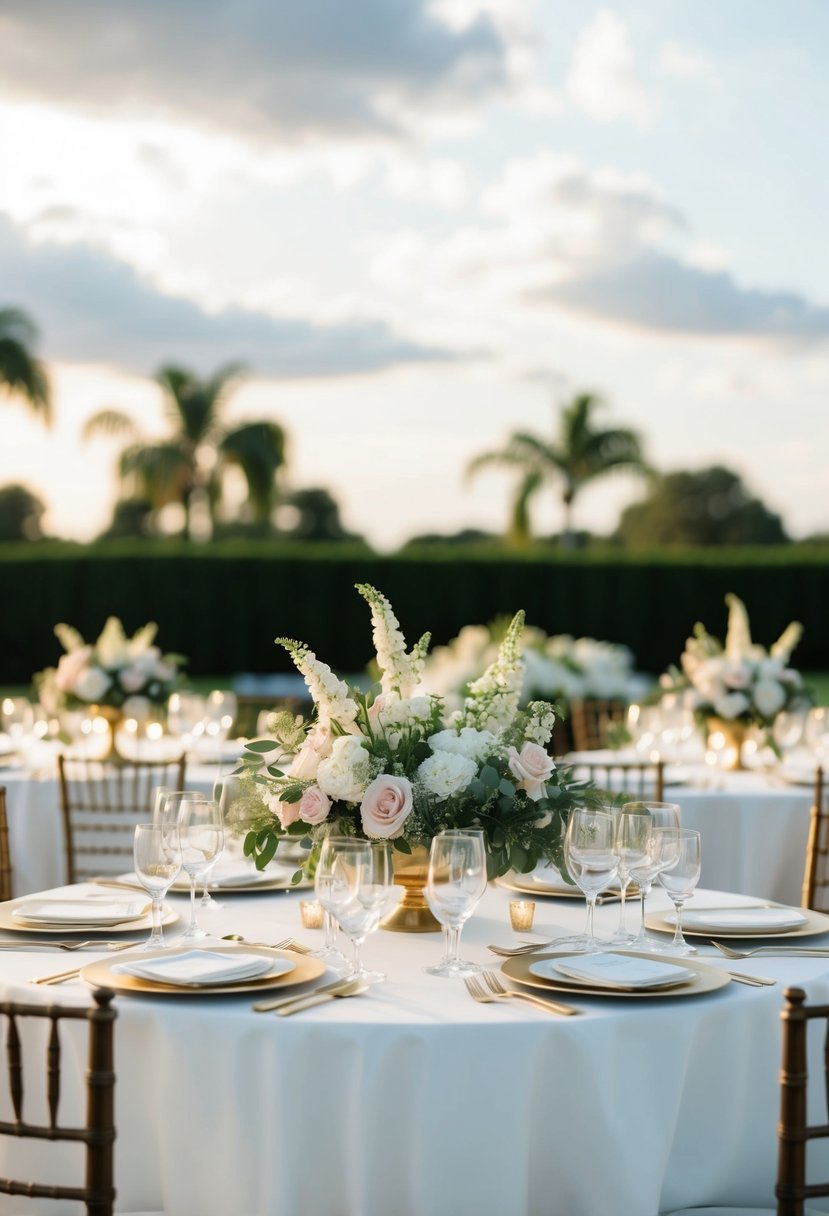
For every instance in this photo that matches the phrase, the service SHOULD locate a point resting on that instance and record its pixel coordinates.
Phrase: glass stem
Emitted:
(679, 940)
(453, 941)
(645, 888)
(156, 936)
(329, 926)
(192, 901)
(624, 883)
(591, 907)
(357, 943)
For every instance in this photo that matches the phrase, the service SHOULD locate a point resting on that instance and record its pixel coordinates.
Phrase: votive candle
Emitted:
(521, 914)
(311, 912)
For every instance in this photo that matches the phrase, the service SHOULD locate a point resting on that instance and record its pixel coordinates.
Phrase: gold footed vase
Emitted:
(412, 914)
(112, 716)
(734, 734)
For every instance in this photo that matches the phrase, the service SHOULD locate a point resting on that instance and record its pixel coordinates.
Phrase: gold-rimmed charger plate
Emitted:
(706, 979)
(142, 924)
(104, 974)
(524, 884)
(816, 923)
(180, 886)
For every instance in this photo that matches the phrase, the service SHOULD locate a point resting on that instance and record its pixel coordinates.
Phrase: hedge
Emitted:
(222, 605)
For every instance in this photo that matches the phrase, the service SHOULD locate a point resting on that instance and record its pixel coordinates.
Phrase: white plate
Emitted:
(80, 911)
(614, 971)
(202, 968)
(743, 920)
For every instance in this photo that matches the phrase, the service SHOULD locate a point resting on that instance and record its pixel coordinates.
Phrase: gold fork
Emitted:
(493, 990)
(791, 952)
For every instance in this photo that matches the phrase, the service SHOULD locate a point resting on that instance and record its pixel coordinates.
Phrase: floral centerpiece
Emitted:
(117, 672)
(392, 765)
(736, 682)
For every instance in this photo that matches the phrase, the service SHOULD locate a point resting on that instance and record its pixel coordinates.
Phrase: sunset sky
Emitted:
(422, 226)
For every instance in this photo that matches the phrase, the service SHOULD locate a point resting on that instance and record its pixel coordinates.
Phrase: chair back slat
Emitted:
(101, 802)
(5, 851)
(590, 719)
(642, 780)
(98, 1131)
(794, 1131)
(815, 892)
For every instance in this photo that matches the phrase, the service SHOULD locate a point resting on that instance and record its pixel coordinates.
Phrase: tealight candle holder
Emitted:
(521, 914)
(311, 912)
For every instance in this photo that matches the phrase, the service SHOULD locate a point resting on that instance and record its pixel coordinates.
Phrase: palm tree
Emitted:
(578, 455)
(21, 373)
(188, 467)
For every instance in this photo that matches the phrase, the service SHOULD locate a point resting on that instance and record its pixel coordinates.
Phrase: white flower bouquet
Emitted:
(117, 671)
(392, 765)
(557, 668)
(737, 681)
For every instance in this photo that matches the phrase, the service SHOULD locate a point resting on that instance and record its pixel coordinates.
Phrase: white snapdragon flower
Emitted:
(446, 773)
(475, 744)
(493, 698)
(112, 648)
(344, 775)
(328, 692)
(400, 671)
(404, 711)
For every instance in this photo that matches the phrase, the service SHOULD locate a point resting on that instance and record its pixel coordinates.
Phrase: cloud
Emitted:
(598, 243)
(675, 60)
(603, 81)
(284, 71)
(92, 308)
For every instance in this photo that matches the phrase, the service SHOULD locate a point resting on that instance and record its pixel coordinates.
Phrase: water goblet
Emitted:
(323, 882)
(662, 815)
(633, 838)
(592, 862)
(680, 851)
(157, 861)
(201, 834)
(455, 882)
(361, 915)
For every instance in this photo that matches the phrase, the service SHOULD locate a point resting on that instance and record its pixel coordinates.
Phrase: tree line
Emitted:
(188, 468)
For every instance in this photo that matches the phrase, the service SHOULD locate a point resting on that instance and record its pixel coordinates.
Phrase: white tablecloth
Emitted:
(415, 1101)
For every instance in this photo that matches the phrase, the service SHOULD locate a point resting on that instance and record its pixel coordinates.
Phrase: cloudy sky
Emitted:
(422, 226)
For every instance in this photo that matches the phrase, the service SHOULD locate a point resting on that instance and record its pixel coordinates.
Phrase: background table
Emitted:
(415, 1101)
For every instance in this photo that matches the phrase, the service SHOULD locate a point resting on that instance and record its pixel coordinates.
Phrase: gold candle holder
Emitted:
(311, 912)
(521, 914)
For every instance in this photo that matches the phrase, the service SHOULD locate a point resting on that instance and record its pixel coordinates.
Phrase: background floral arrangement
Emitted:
(738, 680)
(560, 668)
(392, 765)
(117, 671)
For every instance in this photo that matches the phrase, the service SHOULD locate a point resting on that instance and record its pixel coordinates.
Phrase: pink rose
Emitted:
(531, 767)
(317, 746)
(70, 666)
(386, 805)
(314, 806)
(286, 812)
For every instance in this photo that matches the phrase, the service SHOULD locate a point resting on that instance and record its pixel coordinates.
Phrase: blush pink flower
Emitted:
(531, 767)
(386, 805)
(314, 806)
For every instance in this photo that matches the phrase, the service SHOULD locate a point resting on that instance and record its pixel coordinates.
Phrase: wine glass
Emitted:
(356, 891)
(816, 733)
(201, 834)
(662, 815)
(185, 716)
(157, 861)
(455, 882)
(679, 853)
(592, 862)
(633, 838)
(218, 717)
(787, 730)
(323, 881)
(18, 718)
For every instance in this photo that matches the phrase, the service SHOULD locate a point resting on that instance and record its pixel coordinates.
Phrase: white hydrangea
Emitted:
(475, 744)
(769, 697)
(446, 773)
(344, 775)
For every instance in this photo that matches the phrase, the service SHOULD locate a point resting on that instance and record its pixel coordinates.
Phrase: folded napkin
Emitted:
(613, 971)
(204, 967)
(80, 911)
(750, 919)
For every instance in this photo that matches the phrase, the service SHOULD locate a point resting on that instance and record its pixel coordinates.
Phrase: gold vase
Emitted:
(412, 914)
(113, 717)
(734, 735)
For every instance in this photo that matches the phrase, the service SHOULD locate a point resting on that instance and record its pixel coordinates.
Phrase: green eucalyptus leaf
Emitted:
(507, 787)
(262, 746)
(291, 793)
(489, 777)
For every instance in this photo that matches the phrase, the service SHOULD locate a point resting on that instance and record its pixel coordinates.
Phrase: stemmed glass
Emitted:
(18, 718)
(455, 882)
(157, 861)
(323, 881)
(816, 733)
(662, 815)
(634, 827)
(201, 833)
(787, 731)
(679, 850)
(359, 887)
(218, 716)
(185, 716)
(592, 862)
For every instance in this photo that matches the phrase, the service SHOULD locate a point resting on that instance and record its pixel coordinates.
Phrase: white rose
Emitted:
(386, 805)
(91, 684)
(474, 744)
(133, 678)
(731, 705)
(769, 697)
(344, 774)
(531, 767)
(446, 773)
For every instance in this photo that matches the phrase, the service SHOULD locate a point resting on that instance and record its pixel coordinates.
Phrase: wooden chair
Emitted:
(5, 852)
(98, 1132)
(815, 893)
(102, 801)
(643, 781)
(794, 1132)
(590, 719)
